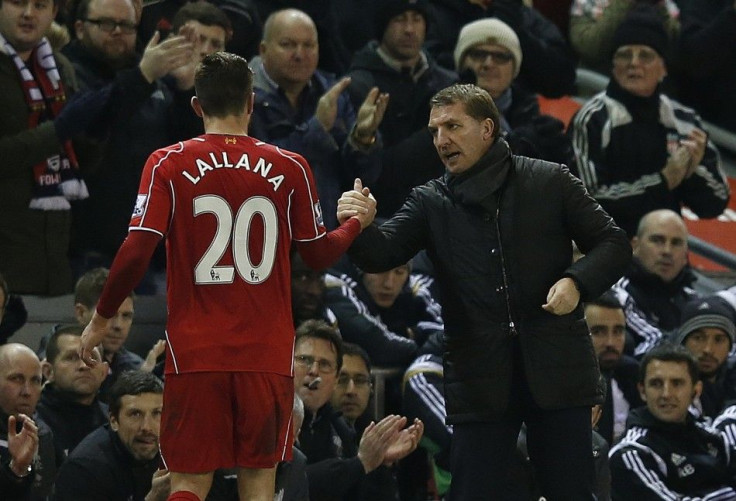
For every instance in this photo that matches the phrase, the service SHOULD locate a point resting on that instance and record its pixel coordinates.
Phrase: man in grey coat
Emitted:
(499, 230)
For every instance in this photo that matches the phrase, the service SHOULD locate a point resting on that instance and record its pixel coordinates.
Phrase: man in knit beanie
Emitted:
(488, 54)
(397, 64)
(708, 331)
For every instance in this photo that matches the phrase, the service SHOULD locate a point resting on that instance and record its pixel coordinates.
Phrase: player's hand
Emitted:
(326, 112)
(358, 203)
(92, 336)
(150, 362)
(406, 442)
(376, 440)
(369, 117)
(160, 486)
(563, 297)
(160, 58)
(22, 446)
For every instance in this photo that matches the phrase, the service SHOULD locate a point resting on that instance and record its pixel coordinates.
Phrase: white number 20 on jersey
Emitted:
(207, 271)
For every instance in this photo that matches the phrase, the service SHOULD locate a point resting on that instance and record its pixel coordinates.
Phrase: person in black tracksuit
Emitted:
(666, 453)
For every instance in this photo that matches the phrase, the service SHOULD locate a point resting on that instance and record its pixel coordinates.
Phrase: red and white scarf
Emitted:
(56, 178)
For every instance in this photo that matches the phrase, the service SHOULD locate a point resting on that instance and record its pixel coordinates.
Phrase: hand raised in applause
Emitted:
(377, 439)
(150, 362)
(406, 442)
(161, 58)
(358, 203)
(326, 112)
(369, 117)
(23, 445)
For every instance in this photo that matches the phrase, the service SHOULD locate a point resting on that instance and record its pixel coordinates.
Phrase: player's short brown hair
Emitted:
(224, 84)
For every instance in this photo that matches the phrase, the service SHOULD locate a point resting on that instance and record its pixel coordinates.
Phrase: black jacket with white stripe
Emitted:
(659, 460)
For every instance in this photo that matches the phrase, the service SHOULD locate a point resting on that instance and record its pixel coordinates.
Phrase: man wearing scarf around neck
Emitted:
(499, 229)
(638, 150)
(39, 170)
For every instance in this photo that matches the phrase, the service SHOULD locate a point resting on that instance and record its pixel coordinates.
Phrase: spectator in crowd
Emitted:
(488, 54)
(160, 16)
(119, 460)
(303, 109)
(607, 325)
(69, 402)
(336, 467)
(40, 172)
(139, 120)
(20, 389)
(549, 63)
(637, 149)
(658, 283)
(666, 453)
(354, 388)
(334, 58)
(15, 471)
(396, 63)
(505, 296)
(593, 24)
(708, 331)
(308, 293)
(210, 30)
(707, 29)
(387, 314)
(351, 396)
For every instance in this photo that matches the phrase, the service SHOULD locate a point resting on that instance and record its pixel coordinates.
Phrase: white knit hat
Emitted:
(488, 30)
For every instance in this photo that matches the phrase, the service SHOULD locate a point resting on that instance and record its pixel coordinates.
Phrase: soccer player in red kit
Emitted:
(230, 207)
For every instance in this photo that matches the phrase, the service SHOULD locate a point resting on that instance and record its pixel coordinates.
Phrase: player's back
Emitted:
(234, 206)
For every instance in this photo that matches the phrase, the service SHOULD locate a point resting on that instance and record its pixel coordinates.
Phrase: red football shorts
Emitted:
(217, 420)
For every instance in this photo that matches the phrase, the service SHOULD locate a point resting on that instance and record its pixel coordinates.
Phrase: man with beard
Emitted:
(139, 118)
(69, 403)
(607, 325)
(118, 461)
(708, 331)
(658, 282)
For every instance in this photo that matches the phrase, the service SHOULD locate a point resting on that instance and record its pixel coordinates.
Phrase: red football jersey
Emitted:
(230, 207)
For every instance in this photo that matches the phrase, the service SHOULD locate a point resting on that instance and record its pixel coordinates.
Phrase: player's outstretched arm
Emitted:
(127, 269)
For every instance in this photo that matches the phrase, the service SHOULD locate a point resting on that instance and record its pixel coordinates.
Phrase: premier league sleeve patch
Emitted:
(318, 214)
(140, 205)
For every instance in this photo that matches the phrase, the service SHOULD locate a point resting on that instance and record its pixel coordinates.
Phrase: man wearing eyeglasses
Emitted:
(138, 121)
(338, 465)
(638, 150)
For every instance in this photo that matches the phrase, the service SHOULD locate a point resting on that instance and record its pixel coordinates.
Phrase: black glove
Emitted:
(510, 12)
(80, 112)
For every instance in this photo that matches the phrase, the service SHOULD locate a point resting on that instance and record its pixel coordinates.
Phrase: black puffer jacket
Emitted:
(542, 209)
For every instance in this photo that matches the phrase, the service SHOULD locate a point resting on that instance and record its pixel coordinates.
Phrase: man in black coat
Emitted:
(499, 231)
(118, 461)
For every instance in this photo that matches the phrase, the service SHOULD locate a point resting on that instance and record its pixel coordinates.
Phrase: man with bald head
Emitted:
(303, 109)
(20, 389)
(658, 282)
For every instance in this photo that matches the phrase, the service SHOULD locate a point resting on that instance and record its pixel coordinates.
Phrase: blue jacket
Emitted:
(334, 159)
